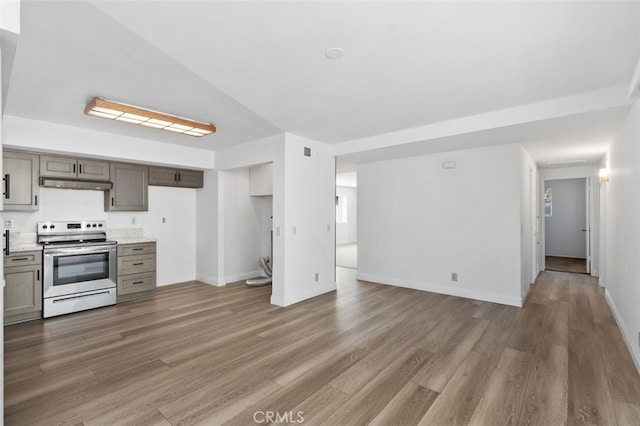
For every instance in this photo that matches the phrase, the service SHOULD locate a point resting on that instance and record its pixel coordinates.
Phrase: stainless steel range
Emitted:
(79, 266)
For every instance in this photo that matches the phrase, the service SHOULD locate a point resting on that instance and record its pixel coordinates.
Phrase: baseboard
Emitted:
(451, 291)
(208, 280)
(297, 298)
(568, 257)
(629, 340)
(243, 276)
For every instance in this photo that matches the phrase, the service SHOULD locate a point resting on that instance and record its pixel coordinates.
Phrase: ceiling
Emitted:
(255, 69)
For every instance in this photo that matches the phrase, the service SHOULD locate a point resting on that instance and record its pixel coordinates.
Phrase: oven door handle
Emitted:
(79, 250)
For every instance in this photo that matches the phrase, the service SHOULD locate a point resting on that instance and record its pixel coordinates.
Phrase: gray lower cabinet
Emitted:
(130, 190)
(136, 270)
(73, 168)
(165, 176)
(23, 286)
(20, 181)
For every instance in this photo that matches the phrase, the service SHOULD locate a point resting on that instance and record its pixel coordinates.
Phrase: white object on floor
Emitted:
(256, 282)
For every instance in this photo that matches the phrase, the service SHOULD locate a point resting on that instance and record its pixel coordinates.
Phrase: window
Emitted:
(341, 209)
(548, 202)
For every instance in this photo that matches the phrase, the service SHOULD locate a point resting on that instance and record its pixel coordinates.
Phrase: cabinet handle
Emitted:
(178, 177)
(138, 282)
(137, 249)
(19, 259)
(6, 242)
(38, 275)
(79, 169)
(175, 177)
(138, 264)
(74, 168)
(111, 201)
(7, 186)
(36, 199)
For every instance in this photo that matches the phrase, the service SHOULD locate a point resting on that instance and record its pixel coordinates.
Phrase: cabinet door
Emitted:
(22, 291)
(93, 170)
(162, 176)
(261, 180)
(21, 172)
(53, 166)
(130, 188)
(190, 178)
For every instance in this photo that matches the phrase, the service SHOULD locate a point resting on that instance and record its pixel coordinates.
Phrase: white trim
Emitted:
(626, 334)
(452, 291)
(207, 279)
(290, 300)
(243, 276)
(634, 85)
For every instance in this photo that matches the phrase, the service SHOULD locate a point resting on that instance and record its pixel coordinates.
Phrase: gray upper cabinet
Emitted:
(72, 168)
(164, 176)
(130, 188)
(20, 189)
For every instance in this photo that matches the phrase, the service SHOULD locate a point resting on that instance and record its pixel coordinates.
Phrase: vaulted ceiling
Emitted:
(255, 69)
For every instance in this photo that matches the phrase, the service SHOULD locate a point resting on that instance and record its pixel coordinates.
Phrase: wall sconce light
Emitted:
(135, 115)
(603, 175)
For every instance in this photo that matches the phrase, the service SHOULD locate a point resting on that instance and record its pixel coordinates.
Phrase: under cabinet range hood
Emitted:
(75, 184)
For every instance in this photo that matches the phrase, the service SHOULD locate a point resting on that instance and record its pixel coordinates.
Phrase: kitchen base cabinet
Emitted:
(23, 287)
(136, 270)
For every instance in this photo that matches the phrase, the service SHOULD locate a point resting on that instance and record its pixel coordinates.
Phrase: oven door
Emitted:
(71, 270)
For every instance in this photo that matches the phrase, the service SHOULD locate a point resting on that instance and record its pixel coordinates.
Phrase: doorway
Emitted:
(346, 220)
(567, 225)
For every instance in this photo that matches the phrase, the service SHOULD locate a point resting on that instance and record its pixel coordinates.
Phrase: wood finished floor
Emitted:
(565, 264)
(196, 354)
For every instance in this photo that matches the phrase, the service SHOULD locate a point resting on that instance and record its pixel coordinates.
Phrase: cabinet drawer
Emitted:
(136, 264)
(136, 283)
(23, 258)
(135, 249)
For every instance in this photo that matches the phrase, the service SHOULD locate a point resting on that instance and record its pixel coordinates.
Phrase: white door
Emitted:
(587, 230)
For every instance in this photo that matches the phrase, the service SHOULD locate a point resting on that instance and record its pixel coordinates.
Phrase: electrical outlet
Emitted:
(328, 227)
(8, 223)
(277, 231)
(454, 276)
(295, 230)
(317, 277)
(164, 220)
(134, 220)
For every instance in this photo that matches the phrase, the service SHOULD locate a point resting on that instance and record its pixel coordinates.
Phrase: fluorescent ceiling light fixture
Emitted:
(103, 108)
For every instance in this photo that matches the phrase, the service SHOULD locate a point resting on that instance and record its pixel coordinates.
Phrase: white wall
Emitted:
(41, 136)
(306, 224)
(176, 240)
(418, 223)
(247, 223)
(622, 233)
(347, 233)
(209, 244)
(563, 229)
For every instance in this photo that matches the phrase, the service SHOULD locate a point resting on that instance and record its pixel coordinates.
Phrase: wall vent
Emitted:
(307, 151)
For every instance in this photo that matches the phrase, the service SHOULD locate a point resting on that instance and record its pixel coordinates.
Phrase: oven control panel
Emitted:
(77, 227)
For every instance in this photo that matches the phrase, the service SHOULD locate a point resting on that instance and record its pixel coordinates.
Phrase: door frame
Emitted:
(589, 173)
